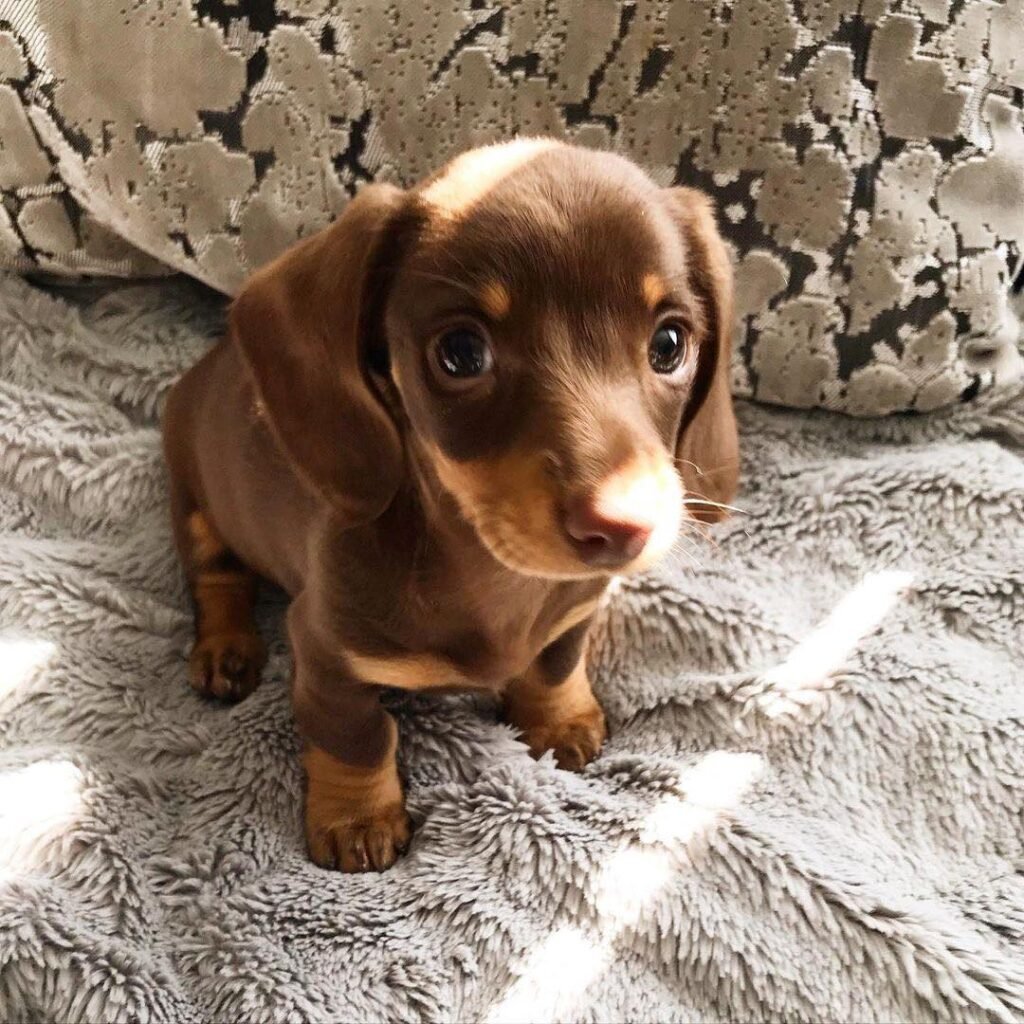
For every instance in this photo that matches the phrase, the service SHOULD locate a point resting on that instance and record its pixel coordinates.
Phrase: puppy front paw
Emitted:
(575, 741)
(226, 665)
(371, 842)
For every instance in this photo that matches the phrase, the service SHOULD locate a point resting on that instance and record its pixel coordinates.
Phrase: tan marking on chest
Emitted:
(408, 671)
(431, 671)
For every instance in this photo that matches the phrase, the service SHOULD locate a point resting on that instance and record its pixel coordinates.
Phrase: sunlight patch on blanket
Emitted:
(800, 685)
(559, 970)
(39, 803)
(21, 660)
(827, 648)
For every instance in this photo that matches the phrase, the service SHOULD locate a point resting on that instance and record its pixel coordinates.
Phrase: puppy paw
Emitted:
(368, 843)
(226, 665)
(575, 741)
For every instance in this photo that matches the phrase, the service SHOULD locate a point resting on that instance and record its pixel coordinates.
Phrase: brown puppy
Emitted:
(441, 425)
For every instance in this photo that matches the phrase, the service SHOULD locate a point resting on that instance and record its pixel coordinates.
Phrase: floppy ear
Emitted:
(707, 449)
(301, 324)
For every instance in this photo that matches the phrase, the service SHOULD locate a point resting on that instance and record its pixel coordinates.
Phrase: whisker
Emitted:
(704, 470)
(707, 502)
(692, 557)
(701, 532)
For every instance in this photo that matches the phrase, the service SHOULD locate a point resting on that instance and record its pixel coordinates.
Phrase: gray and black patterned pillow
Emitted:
(867, 155)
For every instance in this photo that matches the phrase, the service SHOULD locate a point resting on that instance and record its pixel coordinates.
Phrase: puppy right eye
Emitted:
(462, 354)
(667, 348)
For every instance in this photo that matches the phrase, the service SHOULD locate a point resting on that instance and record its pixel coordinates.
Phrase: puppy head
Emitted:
(539, 330)
(559, 339)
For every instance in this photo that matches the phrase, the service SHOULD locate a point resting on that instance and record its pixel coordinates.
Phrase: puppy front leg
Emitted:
(355, 814)
(553, 706)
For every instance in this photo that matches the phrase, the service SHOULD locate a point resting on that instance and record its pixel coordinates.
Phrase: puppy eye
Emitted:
(667, 348)
(463, 354)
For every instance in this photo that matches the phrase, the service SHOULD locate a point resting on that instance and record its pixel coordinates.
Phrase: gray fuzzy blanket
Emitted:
(810, 809)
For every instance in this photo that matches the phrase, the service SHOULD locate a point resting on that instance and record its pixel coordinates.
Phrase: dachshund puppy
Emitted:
(441, 425)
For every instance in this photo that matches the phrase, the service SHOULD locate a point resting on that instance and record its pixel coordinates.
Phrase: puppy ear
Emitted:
(707, 449)
(301, 324)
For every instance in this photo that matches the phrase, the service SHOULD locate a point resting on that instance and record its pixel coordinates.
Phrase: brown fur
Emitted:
(417, 526)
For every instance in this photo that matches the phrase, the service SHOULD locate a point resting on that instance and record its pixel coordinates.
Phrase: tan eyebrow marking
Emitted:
(495, 299)
(655, 290)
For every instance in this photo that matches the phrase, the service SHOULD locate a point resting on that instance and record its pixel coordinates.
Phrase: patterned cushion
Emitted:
(867, 155)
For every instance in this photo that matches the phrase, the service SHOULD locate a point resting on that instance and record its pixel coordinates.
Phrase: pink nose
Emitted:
(602, 540)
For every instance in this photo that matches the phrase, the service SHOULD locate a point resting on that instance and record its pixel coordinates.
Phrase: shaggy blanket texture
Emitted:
(810, 809)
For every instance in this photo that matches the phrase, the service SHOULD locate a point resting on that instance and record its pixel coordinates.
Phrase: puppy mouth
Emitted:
(538, 525)
(501, 532)
(563, 560)
(561, 546)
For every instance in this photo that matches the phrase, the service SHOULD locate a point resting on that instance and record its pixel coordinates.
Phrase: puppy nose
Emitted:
(604, 537)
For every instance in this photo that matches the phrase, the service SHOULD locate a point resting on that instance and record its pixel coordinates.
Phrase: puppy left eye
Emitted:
(462, 354)
(667, 348)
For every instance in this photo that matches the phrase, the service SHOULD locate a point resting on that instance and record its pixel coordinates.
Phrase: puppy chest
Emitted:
(449, 650)
(465, 662)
